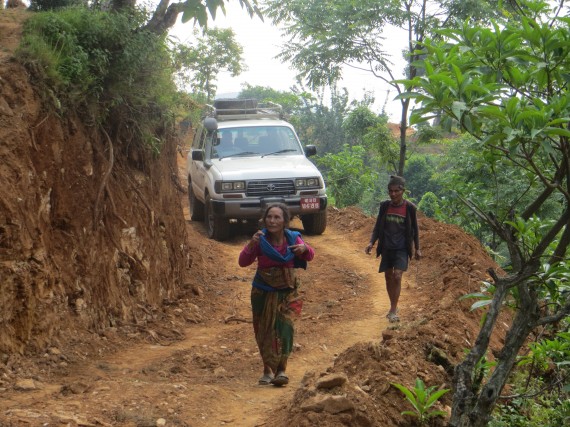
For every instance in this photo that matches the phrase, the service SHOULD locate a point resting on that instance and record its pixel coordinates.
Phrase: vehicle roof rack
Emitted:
(240, 109)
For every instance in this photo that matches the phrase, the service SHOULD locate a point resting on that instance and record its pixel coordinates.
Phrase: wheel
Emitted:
(217, 228)
(196, 206)
(315, 223)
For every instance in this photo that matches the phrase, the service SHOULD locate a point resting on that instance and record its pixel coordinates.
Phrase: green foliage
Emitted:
(429, 205)
(46, 5)
(320, 123)
(506, 84)
(346, 175)
(467, 176)
(379, 140)
(358, 122)
(103, 65)
(420, 170)
(198, 10)
(291, 102)
(324, 36)
(481, 372)
(539, 391)
(426, 133)
(198, 65)
(552, 282)
(422, 400)
(548, 352)
(548, 410)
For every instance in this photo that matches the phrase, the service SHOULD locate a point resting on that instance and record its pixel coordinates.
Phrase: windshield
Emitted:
(254, 141)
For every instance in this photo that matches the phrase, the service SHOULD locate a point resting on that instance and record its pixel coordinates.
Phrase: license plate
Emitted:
(310, 203)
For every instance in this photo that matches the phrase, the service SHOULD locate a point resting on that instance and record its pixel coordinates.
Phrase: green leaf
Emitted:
(557, 131)
(480, 304)
(409, 95)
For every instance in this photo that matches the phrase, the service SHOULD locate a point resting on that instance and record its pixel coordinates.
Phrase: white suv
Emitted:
(245, 156)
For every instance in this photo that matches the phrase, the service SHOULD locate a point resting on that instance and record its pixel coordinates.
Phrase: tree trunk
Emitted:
(464, 395)
(474, 410)
(164, 17)
(403, 132)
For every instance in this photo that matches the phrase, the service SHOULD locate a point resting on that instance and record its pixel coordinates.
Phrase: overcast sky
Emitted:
(261, 43)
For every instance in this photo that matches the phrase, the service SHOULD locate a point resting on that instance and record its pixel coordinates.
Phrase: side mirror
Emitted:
(198, 155)
(310, 150)
(210, 124)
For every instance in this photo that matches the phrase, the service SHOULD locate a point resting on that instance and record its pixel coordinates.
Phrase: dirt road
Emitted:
(209, 376)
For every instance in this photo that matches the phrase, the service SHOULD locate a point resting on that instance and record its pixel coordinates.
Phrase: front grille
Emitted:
(281, 187)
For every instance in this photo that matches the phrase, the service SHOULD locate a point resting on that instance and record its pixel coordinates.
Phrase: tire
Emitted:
(315, 223)
(217, 228)
(196, 206)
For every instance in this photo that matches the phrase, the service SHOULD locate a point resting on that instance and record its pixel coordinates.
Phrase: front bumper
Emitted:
(254, 208)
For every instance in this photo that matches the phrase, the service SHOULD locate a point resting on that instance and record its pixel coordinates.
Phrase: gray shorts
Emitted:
(397, 259)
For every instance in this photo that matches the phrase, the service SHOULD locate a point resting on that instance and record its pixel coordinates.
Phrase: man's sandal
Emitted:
(265, 379)
(280, 379)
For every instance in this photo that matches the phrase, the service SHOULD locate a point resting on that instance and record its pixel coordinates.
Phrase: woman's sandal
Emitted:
(265, 379)
(280, 379)
(393, 317)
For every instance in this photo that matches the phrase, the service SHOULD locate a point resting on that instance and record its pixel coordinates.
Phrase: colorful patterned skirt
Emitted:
(273, 317)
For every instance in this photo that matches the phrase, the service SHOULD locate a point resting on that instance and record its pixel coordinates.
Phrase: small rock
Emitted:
(330, 404)
(219, 371)
(331, 381)
(160, 422)
(337, 404)
(25, 385)
(54, 350)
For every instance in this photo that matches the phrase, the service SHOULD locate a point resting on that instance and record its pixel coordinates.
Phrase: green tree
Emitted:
(346, 175)
(166, 13)
(290, 101)
(419, 172)
(320, 123)
(358, 123)
(200, 63)
(507, 86)
(326, 35)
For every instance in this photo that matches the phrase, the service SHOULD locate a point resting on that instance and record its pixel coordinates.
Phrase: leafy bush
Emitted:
(347, 177)
(104, 64)
(429, 205)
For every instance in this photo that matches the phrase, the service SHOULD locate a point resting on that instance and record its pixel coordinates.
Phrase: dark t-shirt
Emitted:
(395, 228)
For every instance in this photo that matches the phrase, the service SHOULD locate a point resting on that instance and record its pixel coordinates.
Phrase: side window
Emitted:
(199, 137)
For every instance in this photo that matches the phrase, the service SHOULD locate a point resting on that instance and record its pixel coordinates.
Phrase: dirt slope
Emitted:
(207, 375)
(145, 344)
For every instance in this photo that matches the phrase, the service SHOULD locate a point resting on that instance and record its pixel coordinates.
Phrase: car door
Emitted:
(196, 168)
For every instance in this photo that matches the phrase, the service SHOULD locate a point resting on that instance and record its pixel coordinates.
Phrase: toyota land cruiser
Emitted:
(244, 156)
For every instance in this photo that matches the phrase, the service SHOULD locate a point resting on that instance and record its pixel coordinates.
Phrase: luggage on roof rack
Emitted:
(238, 109)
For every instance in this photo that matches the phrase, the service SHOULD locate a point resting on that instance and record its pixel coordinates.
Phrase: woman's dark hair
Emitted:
(284, 209)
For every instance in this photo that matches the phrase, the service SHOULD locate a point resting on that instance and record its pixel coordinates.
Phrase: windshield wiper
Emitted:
(287, 150)
(243, 153)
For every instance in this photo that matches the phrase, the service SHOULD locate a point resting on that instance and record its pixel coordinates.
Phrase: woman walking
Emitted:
(274, 295)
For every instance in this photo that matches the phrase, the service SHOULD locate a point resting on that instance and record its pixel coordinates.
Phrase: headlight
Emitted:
(308, 183)
(229, 186)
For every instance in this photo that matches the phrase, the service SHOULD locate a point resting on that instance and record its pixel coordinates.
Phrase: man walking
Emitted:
(396, 230)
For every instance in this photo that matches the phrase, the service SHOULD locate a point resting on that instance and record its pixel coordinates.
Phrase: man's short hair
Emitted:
(397, 180)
